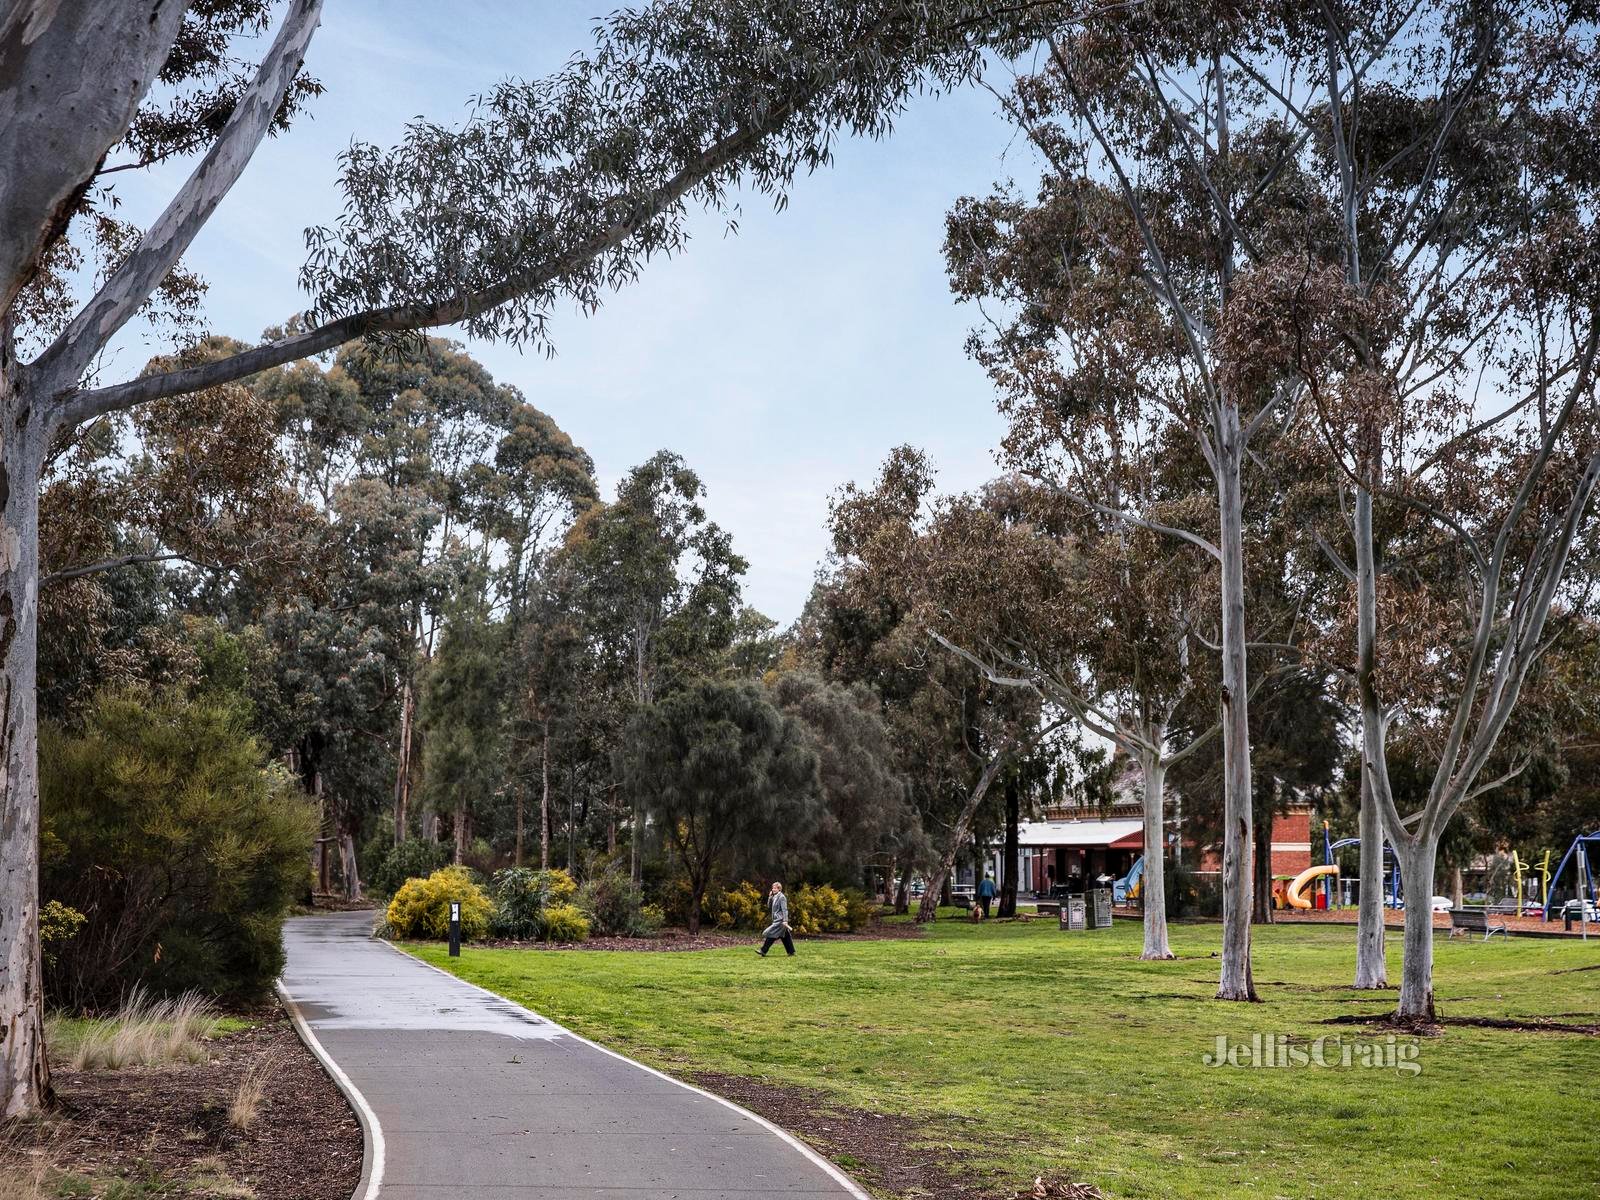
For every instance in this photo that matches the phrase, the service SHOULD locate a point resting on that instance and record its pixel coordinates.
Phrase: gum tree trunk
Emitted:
(1237, 835)
(1153, 888)
(1261, 907)
(1416, 971)
(1371, 970)
(544, 804)
(24, 1071)
(1008, 865)
(348, 870)
(929, 907)
(402, 775)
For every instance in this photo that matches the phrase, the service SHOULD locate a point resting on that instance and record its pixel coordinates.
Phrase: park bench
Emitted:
(1475, 920)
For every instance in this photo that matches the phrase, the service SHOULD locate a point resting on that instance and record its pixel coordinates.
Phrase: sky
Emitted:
(780, 362)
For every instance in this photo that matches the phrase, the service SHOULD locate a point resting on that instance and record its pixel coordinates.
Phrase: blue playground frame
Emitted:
(1329, 849)
(1580, 847)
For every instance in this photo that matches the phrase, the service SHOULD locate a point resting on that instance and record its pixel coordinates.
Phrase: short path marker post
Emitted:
(455, 929)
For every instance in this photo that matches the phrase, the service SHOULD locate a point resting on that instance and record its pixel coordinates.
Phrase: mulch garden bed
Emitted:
(170, 1124)
(893, 1154)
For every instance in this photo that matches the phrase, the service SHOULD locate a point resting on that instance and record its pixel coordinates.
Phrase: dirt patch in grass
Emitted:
(893, 1154)
(176, 1131)
(1440, 1023)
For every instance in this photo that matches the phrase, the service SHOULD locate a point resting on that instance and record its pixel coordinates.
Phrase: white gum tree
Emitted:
(553, 191)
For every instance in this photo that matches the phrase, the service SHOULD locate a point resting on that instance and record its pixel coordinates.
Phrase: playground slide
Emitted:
(1128, 887)
(1296, 900)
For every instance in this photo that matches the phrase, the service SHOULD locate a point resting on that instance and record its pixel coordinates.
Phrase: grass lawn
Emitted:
(1064, 1055)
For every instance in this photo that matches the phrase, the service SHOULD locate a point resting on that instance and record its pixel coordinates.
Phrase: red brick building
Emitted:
(1076, 846)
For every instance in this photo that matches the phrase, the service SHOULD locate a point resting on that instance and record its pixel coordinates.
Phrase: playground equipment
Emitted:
(1390, 862)
(1296, 900)
(1521, 868)
(1130, 885)
(1579, 850)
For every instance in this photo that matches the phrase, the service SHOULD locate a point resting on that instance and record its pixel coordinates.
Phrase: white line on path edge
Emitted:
(372, 1171)
(372, 1160)
(838, 1176)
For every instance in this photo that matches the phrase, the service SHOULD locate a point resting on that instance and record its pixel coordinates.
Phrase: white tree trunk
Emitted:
(1238, 876)
(1371, 970)
(402, 774)
(1416, 971)
(24, 1072)
(544, 802)
(1153, 889)
(71, 77)
(347, 866)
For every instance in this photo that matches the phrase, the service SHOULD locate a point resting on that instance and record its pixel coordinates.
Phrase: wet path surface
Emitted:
(472, 1096)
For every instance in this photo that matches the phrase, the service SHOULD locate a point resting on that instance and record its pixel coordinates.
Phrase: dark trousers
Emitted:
(788, 943)
(984, 902)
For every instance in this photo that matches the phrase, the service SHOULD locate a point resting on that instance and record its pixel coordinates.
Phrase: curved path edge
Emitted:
(463, 1094)
(372, 1148)
(844, 1180)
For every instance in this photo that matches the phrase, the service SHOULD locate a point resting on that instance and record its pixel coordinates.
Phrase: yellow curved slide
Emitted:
(1296, 900)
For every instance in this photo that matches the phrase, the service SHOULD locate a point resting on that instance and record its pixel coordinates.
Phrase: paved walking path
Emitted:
(466, 1095)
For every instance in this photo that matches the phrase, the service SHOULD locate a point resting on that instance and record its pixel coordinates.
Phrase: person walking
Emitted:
(778, 903)
(986, 893)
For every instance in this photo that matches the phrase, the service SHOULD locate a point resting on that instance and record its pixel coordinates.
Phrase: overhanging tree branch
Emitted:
(131, 284)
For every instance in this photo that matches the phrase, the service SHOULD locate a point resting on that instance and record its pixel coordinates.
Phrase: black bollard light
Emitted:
(455, 929)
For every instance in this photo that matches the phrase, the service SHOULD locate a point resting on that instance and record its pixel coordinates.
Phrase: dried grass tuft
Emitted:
(147, 1032)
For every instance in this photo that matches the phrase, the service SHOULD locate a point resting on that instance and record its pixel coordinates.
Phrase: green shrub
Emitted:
(559, 885)
(414, 859)
(819, 909)
(167, 826)
(521, 898)
(57, 923)
(564, 923)
(859, 910)
(421, 908)
(614, 909)
(742, 907)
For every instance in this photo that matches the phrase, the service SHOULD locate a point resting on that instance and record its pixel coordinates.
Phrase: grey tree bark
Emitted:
(1417, 862)
(544, 804)
(71, 78)
(24, 1073)
(928, 908)
(402, 773)
(1372, 972)
(1153, 888)
(1008, 865)
(1236, 982)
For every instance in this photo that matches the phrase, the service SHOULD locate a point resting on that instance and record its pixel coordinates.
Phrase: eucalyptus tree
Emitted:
(559, 188)
(721, 769)
(657, 584)
(865, 812)
(1442, 324)
(1108, 294)
(1095, 621)
(464, 715)
(981, 726)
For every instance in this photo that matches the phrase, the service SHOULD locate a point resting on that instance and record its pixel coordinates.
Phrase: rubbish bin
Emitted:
(1098, 915)
(1073, 912)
